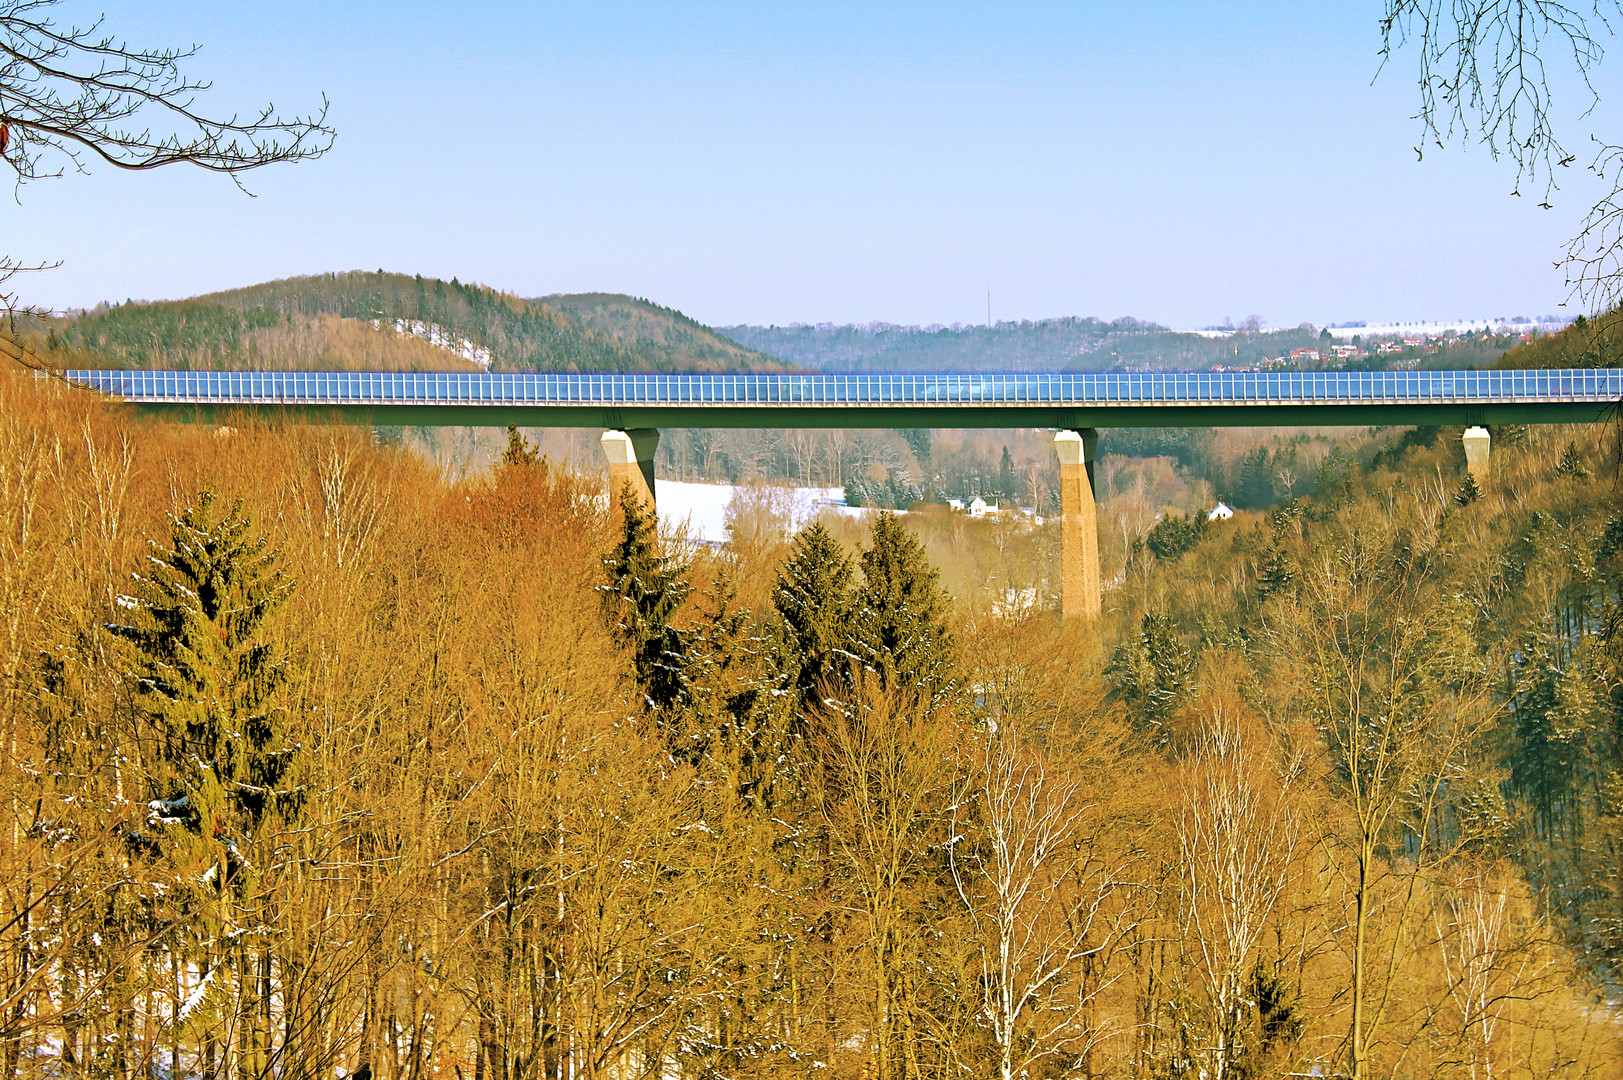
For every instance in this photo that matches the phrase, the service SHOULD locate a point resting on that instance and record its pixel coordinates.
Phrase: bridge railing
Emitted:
(1079, 389)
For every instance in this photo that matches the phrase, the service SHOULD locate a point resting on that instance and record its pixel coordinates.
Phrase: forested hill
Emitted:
(1068, 344)
(1582, 343)
(394, 321)
(639, 324)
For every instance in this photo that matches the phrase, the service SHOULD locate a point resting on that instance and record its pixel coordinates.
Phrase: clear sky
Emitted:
(829, 161)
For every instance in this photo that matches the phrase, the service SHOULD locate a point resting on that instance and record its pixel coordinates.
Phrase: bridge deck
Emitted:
(993, 400)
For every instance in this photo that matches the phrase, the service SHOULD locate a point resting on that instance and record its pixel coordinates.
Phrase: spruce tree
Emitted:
(645, 590)
(207, 678)
(1176, 534)
(1153, 672)
(730, 722)
(899, 618)
(1276, 572)
(1005, 476)
(1469, 492)
(1572, 463)
(519, 451)
(812, 600)
(1257, 479)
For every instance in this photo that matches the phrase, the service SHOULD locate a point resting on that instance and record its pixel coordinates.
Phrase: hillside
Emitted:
(643, 325)
(1067, 344)
(1583, 343)
(360, 320)
(1194, 765)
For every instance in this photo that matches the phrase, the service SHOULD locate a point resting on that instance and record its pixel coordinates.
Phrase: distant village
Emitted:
(1397, 351)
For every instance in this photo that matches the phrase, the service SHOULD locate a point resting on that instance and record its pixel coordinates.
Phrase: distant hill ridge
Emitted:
(363, 320)
(1126, 344)
(352, 321)
(1061, 344)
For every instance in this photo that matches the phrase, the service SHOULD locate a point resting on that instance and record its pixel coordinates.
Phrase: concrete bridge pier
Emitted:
(1080, 587)
(631, 462)
(1476, 455)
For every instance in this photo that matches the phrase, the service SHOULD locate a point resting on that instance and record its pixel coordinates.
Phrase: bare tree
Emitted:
(71, 95)
(1375, 656)
(10, 304)
(1490, 944)
(1237, 838)
(1035, 887)
(881, 772)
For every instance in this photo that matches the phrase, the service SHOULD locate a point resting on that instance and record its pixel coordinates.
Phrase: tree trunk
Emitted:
(19, 1009)
(1090, 1012)
(884, 1005)
(1358, 1052)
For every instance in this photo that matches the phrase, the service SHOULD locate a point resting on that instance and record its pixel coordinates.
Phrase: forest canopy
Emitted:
(319, 760)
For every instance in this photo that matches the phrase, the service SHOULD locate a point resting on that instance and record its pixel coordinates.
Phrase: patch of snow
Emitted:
(195, 999)
(703, 507)
(437, 335)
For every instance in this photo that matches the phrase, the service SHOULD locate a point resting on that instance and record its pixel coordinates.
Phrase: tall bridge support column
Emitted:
(1476, 455)
(1080, 588)
(631, 462)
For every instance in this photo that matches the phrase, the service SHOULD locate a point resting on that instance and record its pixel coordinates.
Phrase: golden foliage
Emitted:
(502, 868)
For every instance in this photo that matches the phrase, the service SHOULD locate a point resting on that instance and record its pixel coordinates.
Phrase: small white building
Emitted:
(1220, 512)
(979, 507)
(956, 504)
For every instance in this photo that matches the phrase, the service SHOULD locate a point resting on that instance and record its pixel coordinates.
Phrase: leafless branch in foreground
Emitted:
(74, 95)
(1485, 70)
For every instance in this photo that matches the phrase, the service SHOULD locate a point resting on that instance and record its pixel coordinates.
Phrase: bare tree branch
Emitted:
(77, 94)
(76, 90)
(1485, 70)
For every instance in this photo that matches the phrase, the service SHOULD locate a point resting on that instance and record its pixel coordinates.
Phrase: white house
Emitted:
(979, 507)
(1220, 512)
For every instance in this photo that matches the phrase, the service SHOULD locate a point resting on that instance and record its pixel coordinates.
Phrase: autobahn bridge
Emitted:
(631, 410)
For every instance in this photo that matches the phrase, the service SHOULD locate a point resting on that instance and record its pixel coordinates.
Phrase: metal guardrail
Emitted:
(345, 389)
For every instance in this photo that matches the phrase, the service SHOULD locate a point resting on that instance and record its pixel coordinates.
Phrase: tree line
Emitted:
(226, 330)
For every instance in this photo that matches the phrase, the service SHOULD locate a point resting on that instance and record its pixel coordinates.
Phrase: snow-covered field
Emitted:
(1415, 329)
(1438, 329)
(703, 507)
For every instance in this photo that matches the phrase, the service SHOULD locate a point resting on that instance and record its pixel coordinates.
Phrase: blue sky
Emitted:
(757, 162)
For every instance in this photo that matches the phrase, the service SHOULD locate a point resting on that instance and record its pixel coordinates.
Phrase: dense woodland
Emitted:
(347, 322)
(1583, 343)
(317, 762)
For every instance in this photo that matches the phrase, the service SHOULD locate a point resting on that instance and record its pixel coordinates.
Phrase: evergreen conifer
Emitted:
(207, 680)
(1152, 671)
(519, 451)
(645, 590)
(811, 598)
(729, 720)
(1005, 476)
(1176, 534)
(1257, 479)
(1275, 572)
(1469, 492)
(1572, 463)
(899, 618)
